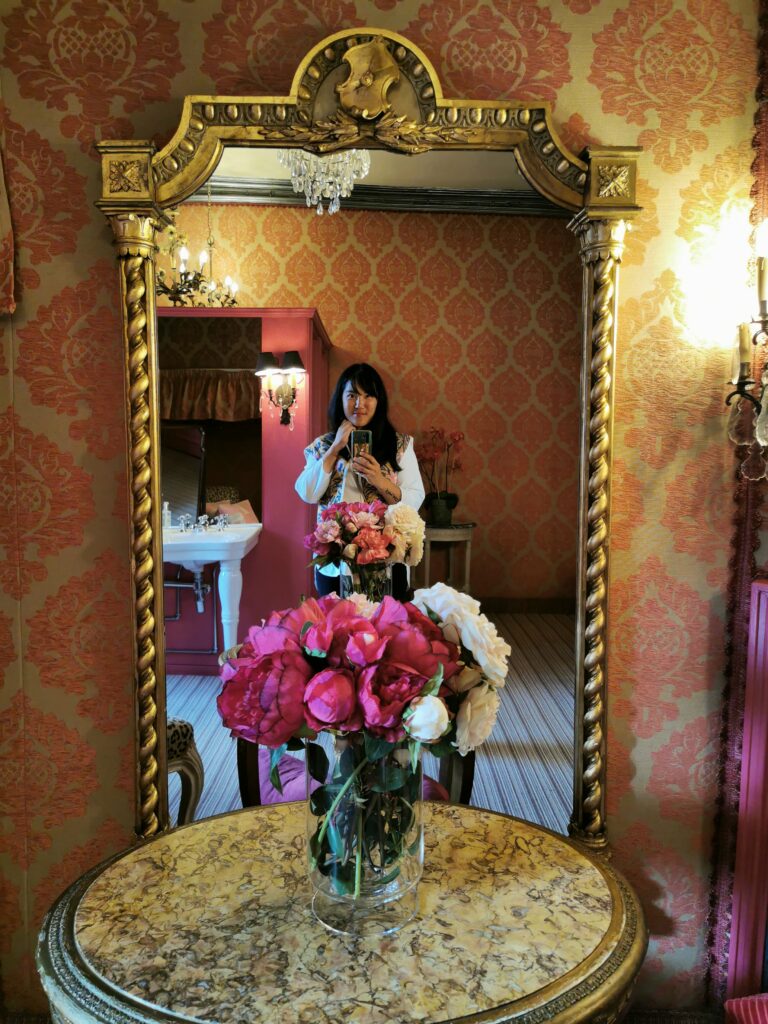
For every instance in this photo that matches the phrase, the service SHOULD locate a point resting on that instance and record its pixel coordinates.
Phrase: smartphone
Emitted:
(360, 442)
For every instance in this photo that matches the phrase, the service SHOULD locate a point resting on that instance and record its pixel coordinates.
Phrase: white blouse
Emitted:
(313, 480)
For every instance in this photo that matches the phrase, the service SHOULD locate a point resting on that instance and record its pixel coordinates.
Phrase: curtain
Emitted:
(7, 303)
(209, 395)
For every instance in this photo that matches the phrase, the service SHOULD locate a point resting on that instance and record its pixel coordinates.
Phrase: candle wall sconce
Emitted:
(748, 420)
(281, 383)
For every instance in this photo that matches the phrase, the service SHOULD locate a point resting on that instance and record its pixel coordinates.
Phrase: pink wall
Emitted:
(275, 572)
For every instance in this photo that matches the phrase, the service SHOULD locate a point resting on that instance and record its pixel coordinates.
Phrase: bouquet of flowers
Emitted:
(366, 536)
(384, 679)
(438, 457)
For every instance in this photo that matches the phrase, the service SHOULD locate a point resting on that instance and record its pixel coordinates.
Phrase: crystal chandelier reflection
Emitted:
(330, 177)
(194, 287)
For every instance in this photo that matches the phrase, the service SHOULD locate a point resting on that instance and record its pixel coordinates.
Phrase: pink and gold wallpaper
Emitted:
(674, 76)
(473, 323)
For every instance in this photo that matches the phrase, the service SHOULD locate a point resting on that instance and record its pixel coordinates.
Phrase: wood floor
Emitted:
(524, 769)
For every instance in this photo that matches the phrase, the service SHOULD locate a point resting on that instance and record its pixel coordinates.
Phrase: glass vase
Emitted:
(365, 835)
(373, 580)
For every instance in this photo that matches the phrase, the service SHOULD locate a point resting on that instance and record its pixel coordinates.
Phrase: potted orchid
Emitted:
(438, 456)
(364, 687)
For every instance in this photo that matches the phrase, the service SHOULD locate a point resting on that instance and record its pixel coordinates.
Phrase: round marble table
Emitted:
(212, 922)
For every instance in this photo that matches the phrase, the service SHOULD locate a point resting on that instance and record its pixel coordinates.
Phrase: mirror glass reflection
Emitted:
(472, 319)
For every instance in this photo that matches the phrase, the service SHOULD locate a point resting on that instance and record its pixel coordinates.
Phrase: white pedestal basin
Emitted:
(228, 547)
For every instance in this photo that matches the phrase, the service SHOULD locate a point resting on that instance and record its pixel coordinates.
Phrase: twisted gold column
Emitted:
(136, 248)
(601, 243)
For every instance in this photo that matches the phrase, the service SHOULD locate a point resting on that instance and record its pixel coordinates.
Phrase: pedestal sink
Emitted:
(195, 549)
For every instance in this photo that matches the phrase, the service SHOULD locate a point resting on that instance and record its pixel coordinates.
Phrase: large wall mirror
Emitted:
(372, 89)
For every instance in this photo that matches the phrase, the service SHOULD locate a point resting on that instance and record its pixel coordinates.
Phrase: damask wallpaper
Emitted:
(473, 323)
(674, 76)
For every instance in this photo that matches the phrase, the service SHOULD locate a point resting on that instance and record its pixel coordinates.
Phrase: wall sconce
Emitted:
(753, 430)
(281, 383)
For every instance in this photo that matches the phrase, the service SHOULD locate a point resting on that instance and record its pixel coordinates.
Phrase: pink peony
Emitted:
(344, 621)
(373, 544)
(385, 690)
(331, 701)
(263, 700)
(415, 641)
(328, 533)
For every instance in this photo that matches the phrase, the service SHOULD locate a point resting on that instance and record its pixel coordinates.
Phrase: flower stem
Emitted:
(337, 800)
(359, 855)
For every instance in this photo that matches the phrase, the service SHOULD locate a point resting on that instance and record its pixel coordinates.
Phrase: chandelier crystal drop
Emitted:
(330, 177)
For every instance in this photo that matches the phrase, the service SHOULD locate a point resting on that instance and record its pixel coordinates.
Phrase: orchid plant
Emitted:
(438, 457)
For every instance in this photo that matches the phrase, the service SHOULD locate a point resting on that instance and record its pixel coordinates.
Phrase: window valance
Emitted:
(228, 395)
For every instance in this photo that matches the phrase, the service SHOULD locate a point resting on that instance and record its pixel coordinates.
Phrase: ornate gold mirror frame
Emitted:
(369, 88)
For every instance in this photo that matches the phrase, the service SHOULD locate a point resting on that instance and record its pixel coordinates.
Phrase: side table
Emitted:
(212, 922)
(458, 533)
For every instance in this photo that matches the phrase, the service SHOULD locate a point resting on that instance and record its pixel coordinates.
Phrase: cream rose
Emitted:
(408, 528)
(477, 633)
(476, 718)
(465, 680)
(429, 720)
(362, 605)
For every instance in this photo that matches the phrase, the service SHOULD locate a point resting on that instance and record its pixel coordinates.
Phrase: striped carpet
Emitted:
(524, 769)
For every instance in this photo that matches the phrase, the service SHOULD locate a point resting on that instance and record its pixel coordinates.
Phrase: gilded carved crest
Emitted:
(372, 72)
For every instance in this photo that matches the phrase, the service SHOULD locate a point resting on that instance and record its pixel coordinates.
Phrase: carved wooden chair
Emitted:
(184, 758)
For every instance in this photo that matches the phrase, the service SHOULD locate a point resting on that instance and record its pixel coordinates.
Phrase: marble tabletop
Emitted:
(212, 922)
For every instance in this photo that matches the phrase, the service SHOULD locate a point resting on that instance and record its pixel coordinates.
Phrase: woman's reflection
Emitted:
(335, 472)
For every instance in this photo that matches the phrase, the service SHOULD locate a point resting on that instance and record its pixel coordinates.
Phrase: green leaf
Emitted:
(335, 841)
(431, 688)
(433, 615)
(376, 747)
(321, 801)
(274, 760)
(414, 747)
(294, 743)
(313, 652)
(305, 628)
(443, 747)
(317, 762)
(392, 777)
(305, 732)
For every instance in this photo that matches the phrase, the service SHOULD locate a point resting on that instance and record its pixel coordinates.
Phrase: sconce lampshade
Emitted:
(292, 362)
(266, 364)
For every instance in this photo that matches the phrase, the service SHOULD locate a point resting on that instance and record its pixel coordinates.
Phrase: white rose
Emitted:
(476, 718)
(478, 634)
(429, 720)
(465, 680)
(363, 606)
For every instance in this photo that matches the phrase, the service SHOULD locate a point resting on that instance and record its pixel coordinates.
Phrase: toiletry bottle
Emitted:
(166, 515)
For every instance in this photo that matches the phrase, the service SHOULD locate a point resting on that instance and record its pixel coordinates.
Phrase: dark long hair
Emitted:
(363, 376)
